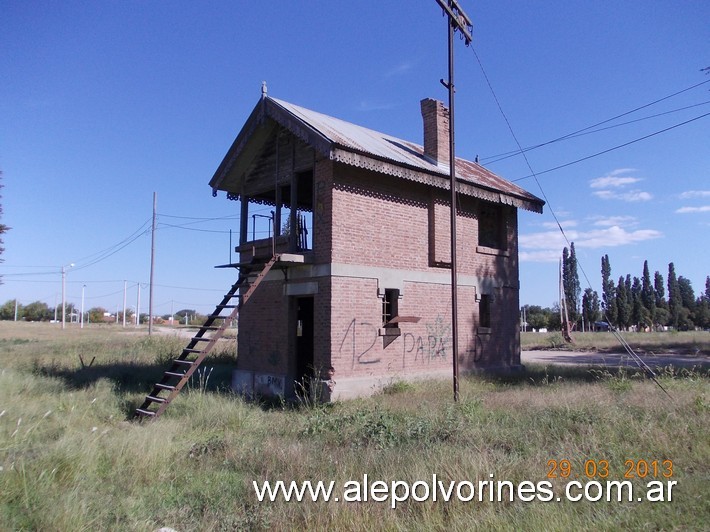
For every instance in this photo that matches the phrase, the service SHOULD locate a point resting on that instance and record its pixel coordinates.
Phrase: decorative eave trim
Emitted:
(255, 119)
(360, 160)
(298, 127)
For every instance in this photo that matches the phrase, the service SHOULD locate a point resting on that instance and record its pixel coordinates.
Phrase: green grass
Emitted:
(696, 342)
(72, 461)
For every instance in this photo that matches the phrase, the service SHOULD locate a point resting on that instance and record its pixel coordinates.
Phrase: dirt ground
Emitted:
(621, 359)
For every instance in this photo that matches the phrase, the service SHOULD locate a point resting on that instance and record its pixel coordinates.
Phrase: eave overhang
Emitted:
(355, 146)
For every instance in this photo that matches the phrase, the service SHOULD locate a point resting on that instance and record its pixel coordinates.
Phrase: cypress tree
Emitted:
(659, 290)
(570, 282)
(648, 296)
(639, 314)
(674, 297)
(590, 307)
(623, 306)
(608, 292)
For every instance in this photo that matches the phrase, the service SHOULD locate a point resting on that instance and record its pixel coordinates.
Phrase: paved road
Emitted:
(612, 359)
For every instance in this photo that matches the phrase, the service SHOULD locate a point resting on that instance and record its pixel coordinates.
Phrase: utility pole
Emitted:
(125, 286)
(138, 306)
(152, 264)
(81, 319)
(64, 286)
(458, 20)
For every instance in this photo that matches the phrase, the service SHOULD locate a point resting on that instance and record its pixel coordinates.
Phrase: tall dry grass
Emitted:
(72, 461)
(686, 342)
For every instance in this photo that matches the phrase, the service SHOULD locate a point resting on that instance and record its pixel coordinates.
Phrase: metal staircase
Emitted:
(199, 346)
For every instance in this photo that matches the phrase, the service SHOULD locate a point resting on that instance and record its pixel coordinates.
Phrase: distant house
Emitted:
(361, 231)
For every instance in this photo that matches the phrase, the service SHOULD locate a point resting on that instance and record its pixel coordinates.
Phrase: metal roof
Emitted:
(359, 146)
(359, 139)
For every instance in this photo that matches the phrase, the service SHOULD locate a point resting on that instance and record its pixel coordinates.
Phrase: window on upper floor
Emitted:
(491, 226)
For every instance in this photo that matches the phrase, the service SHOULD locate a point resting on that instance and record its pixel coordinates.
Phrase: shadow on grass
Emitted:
(214, 376)
(540, 374)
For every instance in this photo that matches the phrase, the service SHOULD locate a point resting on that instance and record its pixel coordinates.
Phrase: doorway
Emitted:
(304, 341)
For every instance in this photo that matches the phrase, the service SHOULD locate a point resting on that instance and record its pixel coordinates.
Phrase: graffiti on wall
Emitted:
(430, 348)
(360, 339)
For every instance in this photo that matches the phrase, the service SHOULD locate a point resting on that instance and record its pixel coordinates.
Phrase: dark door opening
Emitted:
(304, 342)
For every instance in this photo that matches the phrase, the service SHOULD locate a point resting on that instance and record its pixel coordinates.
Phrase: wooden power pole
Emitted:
(458, 20)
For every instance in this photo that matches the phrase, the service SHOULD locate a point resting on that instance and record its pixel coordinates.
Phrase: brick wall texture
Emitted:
(369, 230)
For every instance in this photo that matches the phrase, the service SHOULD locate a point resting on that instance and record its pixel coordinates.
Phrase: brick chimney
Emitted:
(436, 130)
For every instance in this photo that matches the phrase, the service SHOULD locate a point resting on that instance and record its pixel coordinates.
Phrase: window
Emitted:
(491, 226)
(390, 307)
(484, 311)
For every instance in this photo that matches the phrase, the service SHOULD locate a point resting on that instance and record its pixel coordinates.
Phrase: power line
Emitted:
(579, 131)
(639, 361)
(227, 217)
(172, 226)
(111, 250)
(507, 155)
(535, 174)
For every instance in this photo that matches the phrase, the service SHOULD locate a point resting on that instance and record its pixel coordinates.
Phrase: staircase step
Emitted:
(191, 365)
(155, 399)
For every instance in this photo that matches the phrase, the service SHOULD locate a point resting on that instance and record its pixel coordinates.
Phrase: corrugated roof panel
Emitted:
(382, 146)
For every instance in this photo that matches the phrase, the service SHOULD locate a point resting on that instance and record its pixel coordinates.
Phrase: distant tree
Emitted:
(702, 312)
(674, 297)
(185, 316)
(536, 316)
(623, 304)
(687, 300)
(663, 317)
(702, 307)
(96, 314)
(608, 292)
(648, 295)
(639, 314)
(590, 307)
(659, 291)
(570, 282)
(7, 310)
(685, 320)
(687, 294)
(37, 311)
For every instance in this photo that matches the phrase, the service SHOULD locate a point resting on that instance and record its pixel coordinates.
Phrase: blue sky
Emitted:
(104, 103)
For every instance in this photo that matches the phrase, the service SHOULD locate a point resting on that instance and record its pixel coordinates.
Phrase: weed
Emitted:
(548, 379)
(618, 381)
(398, 386)
(200, 379)
(556, 340)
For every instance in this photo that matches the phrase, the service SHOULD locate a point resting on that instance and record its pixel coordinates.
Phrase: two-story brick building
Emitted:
(361, 223)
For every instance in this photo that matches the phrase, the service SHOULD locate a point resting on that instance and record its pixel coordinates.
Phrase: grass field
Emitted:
(696, 342)
(71, 460)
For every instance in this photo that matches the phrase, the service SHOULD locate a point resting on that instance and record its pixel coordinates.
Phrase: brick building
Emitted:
(360, 222)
